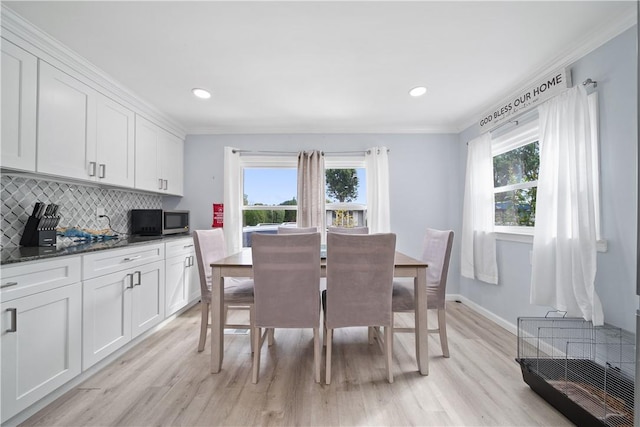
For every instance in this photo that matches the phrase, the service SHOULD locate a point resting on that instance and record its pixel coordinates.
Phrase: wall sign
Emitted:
(527, 99)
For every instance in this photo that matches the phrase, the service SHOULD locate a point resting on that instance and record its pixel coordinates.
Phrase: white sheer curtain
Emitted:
(311, 189)
(478, 259)
(564, 245)
(378, 209)
(232, 193)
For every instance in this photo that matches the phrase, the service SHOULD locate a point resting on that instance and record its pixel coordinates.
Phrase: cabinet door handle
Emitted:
(160, 184)
(102, 170)
(133, 258)
(166, 184)
(14, 320)
(193, 260)
(188, 246)
(6, 285)
(92, 168)
(130, 278)
(139, 281)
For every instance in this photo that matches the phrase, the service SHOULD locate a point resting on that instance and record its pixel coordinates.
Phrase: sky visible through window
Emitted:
(274, 186)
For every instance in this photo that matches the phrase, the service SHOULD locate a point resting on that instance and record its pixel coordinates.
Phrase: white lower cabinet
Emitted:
(181, 275)
(41, 345)
(118, 307)
(60, 316)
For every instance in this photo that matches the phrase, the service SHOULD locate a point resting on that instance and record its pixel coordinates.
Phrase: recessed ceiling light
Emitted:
(418, 91)
(201, 93)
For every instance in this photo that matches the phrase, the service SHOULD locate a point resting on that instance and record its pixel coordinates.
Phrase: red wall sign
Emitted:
(218, 215)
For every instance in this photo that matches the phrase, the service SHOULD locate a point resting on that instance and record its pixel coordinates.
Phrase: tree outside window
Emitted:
(515, 177)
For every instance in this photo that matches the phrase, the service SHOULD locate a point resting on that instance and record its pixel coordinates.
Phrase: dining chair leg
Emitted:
(388, 341)
(329, 336)
(324, 335)
(270, 336)
(372, 335)
(316, 353)
(442, 328)
(256, 354)
(252, 331)
(204, 322)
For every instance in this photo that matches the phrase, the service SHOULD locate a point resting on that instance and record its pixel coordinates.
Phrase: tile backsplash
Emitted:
(78, 205)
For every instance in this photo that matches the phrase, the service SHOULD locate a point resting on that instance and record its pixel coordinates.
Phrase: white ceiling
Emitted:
(327, 67)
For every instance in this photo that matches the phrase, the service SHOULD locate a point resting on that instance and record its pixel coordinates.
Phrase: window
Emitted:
(346, 192)
(269, 190)
(516, 162)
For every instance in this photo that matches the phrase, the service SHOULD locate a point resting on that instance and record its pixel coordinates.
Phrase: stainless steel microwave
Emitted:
(158, 222)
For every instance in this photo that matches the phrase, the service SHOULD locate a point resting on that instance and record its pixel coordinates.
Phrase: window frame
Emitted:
(275, 161)
(508, 140)
(345, 162)
(265, 162)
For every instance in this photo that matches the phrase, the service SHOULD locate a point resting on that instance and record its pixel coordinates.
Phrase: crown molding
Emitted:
(590, 42)
(325, 131)
(21, 32)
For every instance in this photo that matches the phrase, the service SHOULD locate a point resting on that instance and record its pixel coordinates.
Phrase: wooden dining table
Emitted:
(241, 265)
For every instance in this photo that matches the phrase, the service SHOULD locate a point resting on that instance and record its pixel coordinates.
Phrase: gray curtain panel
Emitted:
(311, 195)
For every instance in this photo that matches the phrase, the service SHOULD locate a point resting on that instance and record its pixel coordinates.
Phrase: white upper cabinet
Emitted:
(146, 156)
(115, 143)
(66, 125)
(19, 93)
(159, 157)
(81, 133)
(170, 155)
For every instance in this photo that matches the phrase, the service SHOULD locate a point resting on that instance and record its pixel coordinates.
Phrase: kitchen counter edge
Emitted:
(16, 254)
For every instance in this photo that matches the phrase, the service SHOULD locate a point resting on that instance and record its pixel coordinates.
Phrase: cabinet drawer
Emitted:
(180, 247)
(19, 280)
(107, 262)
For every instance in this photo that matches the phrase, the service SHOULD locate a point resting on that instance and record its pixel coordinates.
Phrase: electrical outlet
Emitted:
(99, 212)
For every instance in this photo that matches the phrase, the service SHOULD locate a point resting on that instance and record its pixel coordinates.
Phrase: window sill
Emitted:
(527, 237)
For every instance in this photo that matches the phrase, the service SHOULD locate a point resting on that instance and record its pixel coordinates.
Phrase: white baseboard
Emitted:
(484, 312)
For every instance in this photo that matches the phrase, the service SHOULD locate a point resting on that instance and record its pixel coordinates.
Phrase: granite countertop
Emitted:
(15, 254)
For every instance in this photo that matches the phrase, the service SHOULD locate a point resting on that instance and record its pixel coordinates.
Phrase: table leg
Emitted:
(422, 330)
(217, 320)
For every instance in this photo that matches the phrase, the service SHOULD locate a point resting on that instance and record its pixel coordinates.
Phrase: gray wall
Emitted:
(614, 67)
(427, 184)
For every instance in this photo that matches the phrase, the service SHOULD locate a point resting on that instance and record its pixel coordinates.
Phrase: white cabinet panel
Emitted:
(106, 262)
(146, 170)
(181, 271)
(115, 133)
(118, 307)
(41, 345)
(159, 159)
(26, 278)
(170, 155)
(66, 125)
(148, 297)
(19, 96)
(106, 314)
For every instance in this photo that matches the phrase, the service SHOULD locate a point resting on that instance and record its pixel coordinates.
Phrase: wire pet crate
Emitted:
(585, 372)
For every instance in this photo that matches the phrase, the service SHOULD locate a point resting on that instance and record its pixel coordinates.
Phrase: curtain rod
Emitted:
(296, 152)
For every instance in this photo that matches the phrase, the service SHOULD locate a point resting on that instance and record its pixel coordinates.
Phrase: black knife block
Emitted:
(40, 231)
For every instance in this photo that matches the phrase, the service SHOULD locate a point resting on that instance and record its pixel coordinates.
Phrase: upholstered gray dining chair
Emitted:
(348, 230)
(359, 284)
(437, 254)
(297, 230)
(238, 293)
(286, 273)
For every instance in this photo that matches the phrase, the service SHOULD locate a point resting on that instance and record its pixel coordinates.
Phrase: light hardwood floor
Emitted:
(165, 381)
